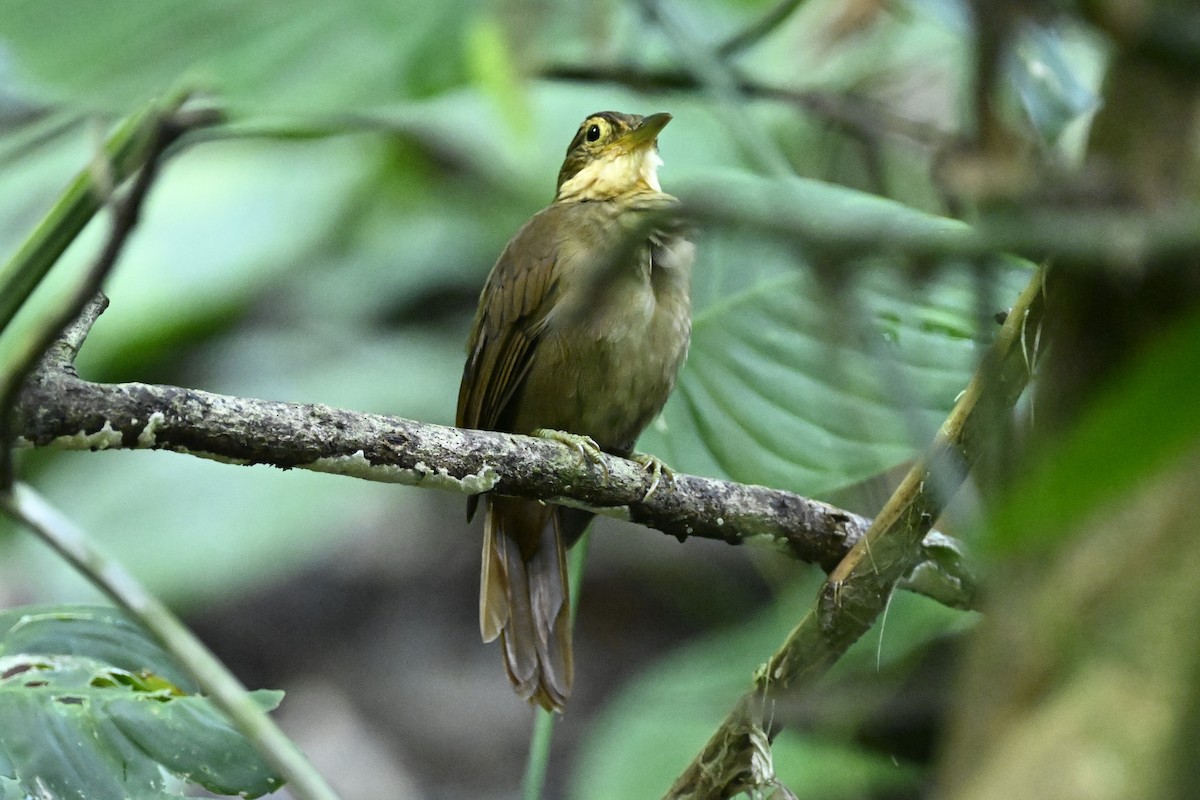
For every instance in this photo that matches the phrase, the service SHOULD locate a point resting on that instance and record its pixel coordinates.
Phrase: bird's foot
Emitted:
(657, 468)
(584, 445)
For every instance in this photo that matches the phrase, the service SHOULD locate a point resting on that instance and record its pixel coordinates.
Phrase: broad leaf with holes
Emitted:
(91, 708)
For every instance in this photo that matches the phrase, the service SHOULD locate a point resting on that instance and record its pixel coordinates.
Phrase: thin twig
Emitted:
(720, 80)
(865, 118)
(756, 31)
(124, 152)
(125, 215)
(27, 507)
(54, 346)
(859, 588)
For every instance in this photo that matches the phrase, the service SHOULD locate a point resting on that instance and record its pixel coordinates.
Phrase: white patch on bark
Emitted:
(146, 438)
(356, 465)
(102, 439)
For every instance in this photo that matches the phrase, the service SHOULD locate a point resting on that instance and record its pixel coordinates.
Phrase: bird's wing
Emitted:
(508, 324)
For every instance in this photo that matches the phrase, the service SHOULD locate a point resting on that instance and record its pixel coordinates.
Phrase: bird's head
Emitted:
(612, 154)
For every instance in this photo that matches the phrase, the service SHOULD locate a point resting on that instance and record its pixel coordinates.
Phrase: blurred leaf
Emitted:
(1053, 93)
(224, 220)
(913, 61)
(816, 768)
(74, 208)
(200, 529)
(789, 385)
(73, 724)
(1140, 424)
(494, 70)
(222, 223)
(651, 730)
(311, 57)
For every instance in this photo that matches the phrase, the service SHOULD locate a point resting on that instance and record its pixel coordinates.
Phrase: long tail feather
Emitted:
(524, 598)
(493, 585)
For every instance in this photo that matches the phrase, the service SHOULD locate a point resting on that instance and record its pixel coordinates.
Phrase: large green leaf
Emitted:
(311, 56)
(224, 221)
(88, 711)
(793, 385)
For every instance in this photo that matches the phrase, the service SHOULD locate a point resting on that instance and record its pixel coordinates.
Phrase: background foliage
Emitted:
(327, 245)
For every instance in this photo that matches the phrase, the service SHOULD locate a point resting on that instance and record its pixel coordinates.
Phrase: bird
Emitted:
(581, 328)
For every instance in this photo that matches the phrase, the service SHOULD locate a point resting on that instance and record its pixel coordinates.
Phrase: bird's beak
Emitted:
(646, 133)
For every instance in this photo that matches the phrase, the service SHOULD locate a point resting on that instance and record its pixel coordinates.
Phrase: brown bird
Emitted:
(582, 326)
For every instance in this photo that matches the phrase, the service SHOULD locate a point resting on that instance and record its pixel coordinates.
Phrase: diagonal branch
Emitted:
(735, 758)
(758, 29)
(24, 505)
(59, 409)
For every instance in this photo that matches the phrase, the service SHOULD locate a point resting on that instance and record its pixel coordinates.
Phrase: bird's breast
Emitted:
(607, 363)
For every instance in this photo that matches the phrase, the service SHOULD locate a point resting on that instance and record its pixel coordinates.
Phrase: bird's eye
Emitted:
(593, 133)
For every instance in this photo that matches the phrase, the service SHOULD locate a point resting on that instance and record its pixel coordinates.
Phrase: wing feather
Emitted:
(508, 324)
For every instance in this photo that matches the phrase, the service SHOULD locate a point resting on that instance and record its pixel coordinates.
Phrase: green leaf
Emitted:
(187, 736)
(1050, 86)
(308, 56)
(790, 385)
(86, 711)
(494, 70)
(97, 632)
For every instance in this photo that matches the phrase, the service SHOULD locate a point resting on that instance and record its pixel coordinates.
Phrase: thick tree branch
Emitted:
(59, 409)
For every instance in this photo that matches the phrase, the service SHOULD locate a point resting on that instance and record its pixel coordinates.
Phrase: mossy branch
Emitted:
(59, 409)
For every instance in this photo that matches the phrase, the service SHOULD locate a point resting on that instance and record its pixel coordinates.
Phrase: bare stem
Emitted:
(858, 589)
(30, 509)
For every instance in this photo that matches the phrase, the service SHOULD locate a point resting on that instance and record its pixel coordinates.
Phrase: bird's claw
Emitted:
(657, 469)
(584, 445)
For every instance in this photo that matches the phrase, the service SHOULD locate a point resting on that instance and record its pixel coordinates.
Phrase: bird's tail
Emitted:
(523, 598)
